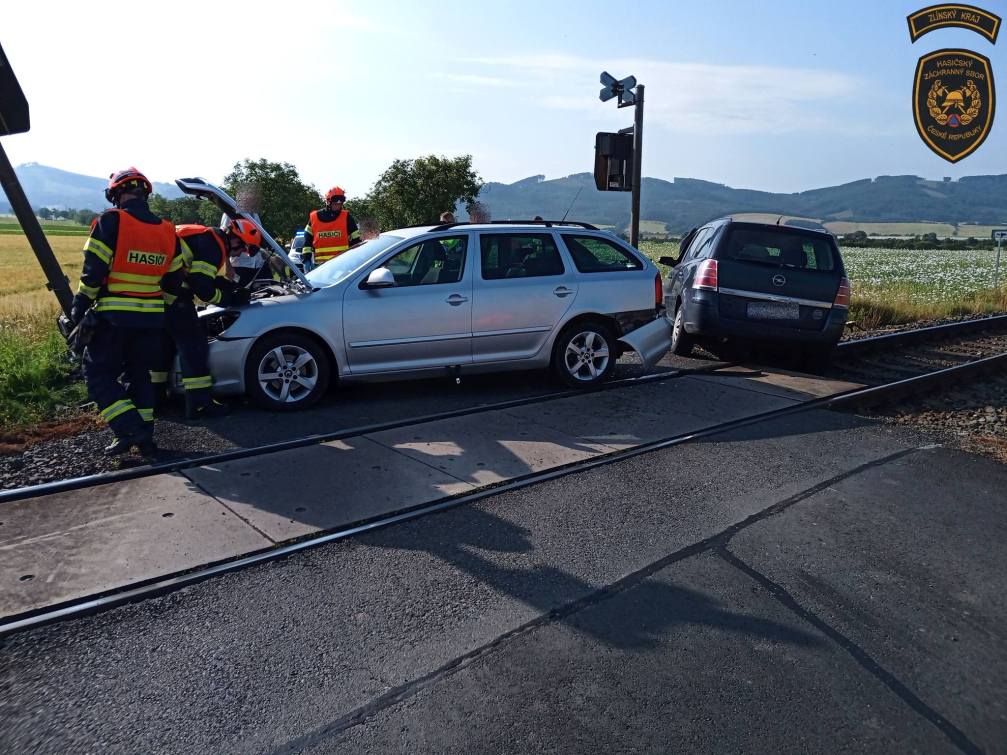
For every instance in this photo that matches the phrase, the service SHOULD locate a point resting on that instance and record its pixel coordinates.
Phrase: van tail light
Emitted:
(706, 276)
(658, 291)
(843, 294)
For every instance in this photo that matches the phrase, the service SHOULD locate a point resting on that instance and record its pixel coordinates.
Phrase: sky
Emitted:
(774, 95)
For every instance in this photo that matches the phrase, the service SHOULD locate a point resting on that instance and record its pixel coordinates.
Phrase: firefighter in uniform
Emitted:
(204, 253)
(329, 232)
(129, 256)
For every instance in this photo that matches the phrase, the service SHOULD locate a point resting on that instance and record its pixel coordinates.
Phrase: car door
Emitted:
(681, 275)
(522, 289)
(423, 321)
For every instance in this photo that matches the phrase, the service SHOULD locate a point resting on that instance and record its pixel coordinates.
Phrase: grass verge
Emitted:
(38, 382)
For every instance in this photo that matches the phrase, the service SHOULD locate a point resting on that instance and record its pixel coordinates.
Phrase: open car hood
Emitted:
(198, 187)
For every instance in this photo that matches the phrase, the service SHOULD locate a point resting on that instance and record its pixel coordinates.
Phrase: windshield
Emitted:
(803, 251)
(347, 263)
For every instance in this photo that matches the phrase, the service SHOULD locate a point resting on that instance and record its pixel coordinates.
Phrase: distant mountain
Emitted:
(60, 189)
(689, 202)
(682, 204)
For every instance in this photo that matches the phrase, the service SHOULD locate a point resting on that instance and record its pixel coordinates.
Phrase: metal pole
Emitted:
(58, 283)
(634, 213)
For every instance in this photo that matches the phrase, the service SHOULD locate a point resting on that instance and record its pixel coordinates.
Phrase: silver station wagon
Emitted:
(442, 300)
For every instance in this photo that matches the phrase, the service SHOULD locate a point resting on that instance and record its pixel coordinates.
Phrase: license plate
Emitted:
(774, 311)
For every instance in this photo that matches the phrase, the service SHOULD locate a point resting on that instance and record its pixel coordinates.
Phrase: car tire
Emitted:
(300, 380)
(584, 355)
(681, 342)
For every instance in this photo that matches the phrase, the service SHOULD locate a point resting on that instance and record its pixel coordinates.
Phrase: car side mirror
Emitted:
(669, 261)
(380, 278)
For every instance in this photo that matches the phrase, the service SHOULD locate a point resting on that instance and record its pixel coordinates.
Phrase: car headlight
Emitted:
(217, 323)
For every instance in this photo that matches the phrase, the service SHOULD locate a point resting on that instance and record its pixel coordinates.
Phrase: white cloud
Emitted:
(466, 78)
(713, 99)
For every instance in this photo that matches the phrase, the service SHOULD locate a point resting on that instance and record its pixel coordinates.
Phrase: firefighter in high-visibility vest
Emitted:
(129, 257)
(204, 254)
(329, 232)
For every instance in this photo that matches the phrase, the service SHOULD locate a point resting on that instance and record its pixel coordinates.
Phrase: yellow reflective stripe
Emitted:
(116, 409)
(355, 235)
(192, 384)
(139, 288)
(176, 264)
(134, 277)
(96, 247)
(169, 299)
(120, 303)
(187, 255)
(158, 377)
(204, 267)
(147, 414)
(89, 291)
(215, 299)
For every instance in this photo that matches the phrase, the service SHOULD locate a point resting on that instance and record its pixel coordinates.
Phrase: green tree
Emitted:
(209, 214)
(44, 213)
(84, 217)
(179, 210)
(413, 192)
(276, 192)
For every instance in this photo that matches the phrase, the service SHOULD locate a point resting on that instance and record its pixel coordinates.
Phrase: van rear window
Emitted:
(780, 249)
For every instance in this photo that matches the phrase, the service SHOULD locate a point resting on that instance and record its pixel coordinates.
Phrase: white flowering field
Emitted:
(922, 276)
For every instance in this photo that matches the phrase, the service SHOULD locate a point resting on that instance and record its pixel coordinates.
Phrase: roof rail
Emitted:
(546, 223)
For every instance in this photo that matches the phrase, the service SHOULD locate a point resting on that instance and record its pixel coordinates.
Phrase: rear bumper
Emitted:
(703, 319)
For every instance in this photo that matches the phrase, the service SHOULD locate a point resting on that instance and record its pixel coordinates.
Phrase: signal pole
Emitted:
(624, 90)
(634, 210)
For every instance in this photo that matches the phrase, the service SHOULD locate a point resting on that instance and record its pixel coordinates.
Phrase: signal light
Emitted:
(658, 291)
(706, 276)
(843, 294)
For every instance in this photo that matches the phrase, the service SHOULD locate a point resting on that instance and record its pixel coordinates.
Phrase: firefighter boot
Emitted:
(203, 407)
(142, 438)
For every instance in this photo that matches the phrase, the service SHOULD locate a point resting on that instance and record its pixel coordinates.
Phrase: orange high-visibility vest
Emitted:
(330, 239)
(143, 253)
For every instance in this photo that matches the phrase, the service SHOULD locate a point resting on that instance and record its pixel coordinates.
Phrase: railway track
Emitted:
(893, 366)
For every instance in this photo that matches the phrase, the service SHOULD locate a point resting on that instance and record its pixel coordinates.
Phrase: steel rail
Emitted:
(134, 473)
(167, 583)
(903, 337)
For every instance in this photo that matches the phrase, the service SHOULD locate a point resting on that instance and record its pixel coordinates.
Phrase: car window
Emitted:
(697, 243)
(519, 255)
(781, 249)
(596, 255)
(430, 262)
(341, 267)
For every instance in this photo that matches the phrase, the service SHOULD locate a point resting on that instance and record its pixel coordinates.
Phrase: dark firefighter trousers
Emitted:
(116, 352)
(189, 338)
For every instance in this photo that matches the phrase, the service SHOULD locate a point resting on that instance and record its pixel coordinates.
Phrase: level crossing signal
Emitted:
(618, 88)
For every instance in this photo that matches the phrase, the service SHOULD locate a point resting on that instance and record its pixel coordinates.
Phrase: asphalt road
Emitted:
(816, 584)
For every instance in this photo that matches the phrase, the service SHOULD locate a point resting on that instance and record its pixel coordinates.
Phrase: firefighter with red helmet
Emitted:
(204, 253)
(129, 257)
(329, 232)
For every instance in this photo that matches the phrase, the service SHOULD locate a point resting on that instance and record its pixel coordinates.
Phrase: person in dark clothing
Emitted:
(329, 232)
(129, 257)
(204, 251)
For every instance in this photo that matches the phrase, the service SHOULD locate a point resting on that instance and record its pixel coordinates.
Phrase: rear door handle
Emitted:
(456, 299)
(562, 291)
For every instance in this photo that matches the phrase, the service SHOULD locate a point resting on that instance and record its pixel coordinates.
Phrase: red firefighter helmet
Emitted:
(127, 178)
(247, 231)
(334, 192)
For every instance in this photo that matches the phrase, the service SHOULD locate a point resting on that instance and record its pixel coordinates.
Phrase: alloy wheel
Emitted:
(288, 374)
